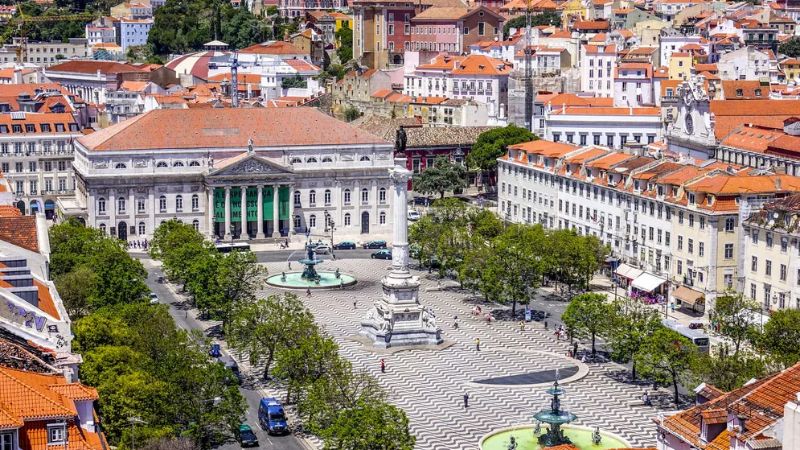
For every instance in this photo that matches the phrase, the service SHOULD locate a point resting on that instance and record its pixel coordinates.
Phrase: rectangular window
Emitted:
(768, 268)
(730, 222)
(754, 264)
(680, 242)
(783, 272)
(701, 248)
(481, 28)
(691, 245)
(769, 240)
(728, 251)
(56, 434)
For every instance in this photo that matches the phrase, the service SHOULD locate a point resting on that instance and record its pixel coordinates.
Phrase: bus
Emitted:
(698, 337)
(236, 246)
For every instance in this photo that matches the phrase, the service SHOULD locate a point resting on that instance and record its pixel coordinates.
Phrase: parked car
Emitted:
(382, 254)
(153, 298)
(413, 215)
(422, 201)
(271, 416)
(345, 245)
(323, 249)
(246, 436)
(231, 365)
(375, 244)
(214, 351)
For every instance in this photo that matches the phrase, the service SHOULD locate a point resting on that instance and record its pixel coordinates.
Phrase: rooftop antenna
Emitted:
(528, 70)
(235, 80)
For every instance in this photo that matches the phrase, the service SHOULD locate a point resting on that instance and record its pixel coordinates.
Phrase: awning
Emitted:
(688, 296)
(647, 282)
(628, 272)
(611, 259)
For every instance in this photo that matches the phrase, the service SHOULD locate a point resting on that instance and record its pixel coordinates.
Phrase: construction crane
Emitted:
(16, 23)
(528, 70)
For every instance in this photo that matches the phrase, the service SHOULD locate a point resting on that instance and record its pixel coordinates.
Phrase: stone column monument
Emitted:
(398, 319)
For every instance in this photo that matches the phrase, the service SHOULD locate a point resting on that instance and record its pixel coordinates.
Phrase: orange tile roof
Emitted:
(46, 302)
(727, 184)
(20, 231)
(301, 65)
(91, 67)
(441, 13)
(226, 128)
(612, 159)
(545, 148)
(729, 114)
(607, 111)
(28, 396)
(582, 157)
(482, 65)
(591, 25)
(272, 48)
(564, 99)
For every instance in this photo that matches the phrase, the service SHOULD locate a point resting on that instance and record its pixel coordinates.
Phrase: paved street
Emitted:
(429, 385)
(250, 389)
(294, 254)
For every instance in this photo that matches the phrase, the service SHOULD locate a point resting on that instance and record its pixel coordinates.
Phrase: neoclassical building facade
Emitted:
(234, 174)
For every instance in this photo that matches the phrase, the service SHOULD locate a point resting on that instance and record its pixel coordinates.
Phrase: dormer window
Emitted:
(739, 93)
(710, 200)
(758, 92)
(691, 198)
(660, 190)
(56, 433)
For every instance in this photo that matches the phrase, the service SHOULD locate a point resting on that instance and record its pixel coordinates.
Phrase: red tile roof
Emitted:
(226, 128)
(85, 66)
(729, 114)
(19, 230)
(273, 48)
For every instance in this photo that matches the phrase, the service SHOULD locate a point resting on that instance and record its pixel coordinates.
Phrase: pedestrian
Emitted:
(308, 292)
(466, 400)
(355, 304)
(545, 324)
(521, 325)
(290, 265)
(575, 349)
(478, 344)
(646, 399)
(383, 365)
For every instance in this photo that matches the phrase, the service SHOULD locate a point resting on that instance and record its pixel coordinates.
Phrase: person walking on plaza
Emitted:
(466, 400)
(355, 304)
(521, 325)
(478, 344)
(574, 349)
(383, 365)
(308, 292)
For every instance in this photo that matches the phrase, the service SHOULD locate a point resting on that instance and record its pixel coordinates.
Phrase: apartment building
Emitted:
(772, 255)
(678, 225)
(597, 69)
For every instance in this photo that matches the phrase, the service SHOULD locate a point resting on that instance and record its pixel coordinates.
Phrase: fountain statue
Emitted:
(554, 417)
(310, 277)
(309, 272)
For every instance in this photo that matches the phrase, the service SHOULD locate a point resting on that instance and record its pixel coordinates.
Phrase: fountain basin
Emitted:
(581, 438)
(295, 280)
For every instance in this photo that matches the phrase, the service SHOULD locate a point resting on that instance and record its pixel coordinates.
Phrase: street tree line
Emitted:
(634, 333)
(503, 262)
(144, 368)
(344, 406)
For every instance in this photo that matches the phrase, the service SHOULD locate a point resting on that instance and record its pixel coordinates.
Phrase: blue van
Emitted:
(271, 416)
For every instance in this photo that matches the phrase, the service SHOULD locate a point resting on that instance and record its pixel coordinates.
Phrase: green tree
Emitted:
(175, 243)
(444, 176)
(520, 22)
(588, 315)
(631, 322)
(263, 327)
(75, 289)
(790, 48)
(71, 244)
(667, 357)
(781, 336)
(308, 357)
(344, 38)
(351, 113)
(493, 144)
(729, 372)
(734, 313)
(120, 278)
(369, 426)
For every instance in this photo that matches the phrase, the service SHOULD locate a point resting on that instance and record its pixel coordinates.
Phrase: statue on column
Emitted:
(400, 141)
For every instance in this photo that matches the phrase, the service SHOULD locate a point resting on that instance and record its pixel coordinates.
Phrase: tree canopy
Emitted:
(493, 144)
(781, 336)
(667, 357)
(588, 315)
(790, 48)
(545, 18)
(444, 176)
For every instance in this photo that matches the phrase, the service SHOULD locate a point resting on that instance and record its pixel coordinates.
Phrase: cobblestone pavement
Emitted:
(429, 384)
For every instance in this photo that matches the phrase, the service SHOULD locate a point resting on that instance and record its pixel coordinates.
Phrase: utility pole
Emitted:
(528, 70)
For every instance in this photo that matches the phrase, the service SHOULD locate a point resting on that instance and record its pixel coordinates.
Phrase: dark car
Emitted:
(231, 365)
(246, 436)
(375, 244)
(382, 254)
(345, 245)
(214, 351)
(422, 201)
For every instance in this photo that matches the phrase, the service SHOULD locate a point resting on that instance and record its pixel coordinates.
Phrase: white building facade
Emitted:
(295, 170)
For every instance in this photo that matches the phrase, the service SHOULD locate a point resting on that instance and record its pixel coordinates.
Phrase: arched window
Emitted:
(327, 159)
(140, 205)
(382, 196)
(162, 203)
(101, 205)
(142, 228)
(296, 222)
(178, 164)
(364, 158)
(347, 219)
(312, 221)
(161, 164)
(120, 166)
(295, 160)
(194, 164)
(364, 195)
(297, 198)
(195, 202)
(382, 218)
(121, 205)
(311, 160)
(327, 197)
(196, 225)
(103, 228)
(178, 203)
(347, 196)
(312, 197)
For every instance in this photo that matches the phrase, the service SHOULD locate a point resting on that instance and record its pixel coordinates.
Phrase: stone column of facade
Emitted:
(210, 211)
(112, 210)
(373, 198)
(151, 200)
(291, 210)
(355, 199)
(132, 209)
(276, 232)
(228, 213)
(243, 212)
(260, 227)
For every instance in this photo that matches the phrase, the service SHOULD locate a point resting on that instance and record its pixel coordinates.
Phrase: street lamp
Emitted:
(330, 225)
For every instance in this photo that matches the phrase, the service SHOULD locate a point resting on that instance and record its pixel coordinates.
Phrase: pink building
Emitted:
(453, 29)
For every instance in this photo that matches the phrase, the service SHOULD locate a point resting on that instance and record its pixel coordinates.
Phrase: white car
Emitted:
(413, 215)
(323, 249)
(153, 298)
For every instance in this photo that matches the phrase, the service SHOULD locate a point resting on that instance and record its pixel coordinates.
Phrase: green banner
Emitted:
(219, 205)
(283, 202)
(252, 204)
(236, 204)
(268, 202)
